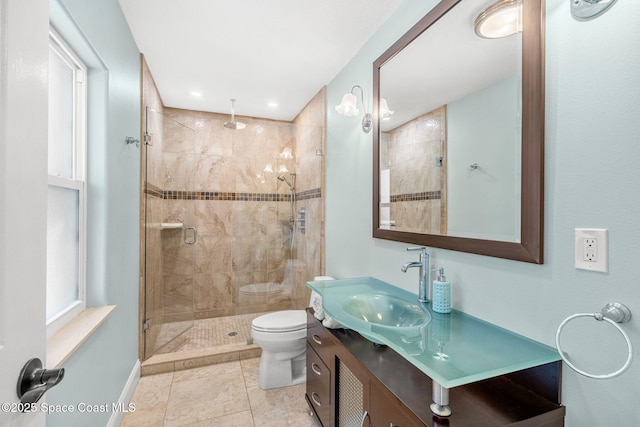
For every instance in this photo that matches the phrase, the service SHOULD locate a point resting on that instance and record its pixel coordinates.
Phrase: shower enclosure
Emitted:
(222, 235)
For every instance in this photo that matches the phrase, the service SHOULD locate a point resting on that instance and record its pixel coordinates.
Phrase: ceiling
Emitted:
(458, 64)
(256, 51)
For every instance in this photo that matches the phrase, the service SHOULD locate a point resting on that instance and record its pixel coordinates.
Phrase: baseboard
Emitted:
(125, 396)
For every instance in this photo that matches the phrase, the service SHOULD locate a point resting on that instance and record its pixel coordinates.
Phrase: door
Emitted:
(169, 230)
(24, 48)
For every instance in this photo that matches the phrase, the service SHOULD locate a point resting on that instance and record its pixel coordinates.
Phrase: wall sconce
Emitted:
(501, 19)
(385, 112)
(348, 107)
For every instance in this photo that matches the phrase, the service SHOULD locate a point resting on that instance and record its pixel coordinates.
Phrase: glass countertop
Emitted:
(453, 349)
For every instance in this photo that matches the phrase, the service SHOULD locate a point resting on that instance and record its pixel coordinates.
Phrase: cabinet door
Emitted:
(387, 411)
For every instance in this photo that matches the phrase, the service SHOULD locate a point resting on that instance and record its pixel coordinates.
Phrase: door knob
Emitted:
(34, 380)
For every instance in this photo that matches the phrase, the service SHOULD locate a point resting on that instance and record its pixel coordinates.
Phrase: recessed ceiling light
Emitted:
(272, 104)
(196, 94)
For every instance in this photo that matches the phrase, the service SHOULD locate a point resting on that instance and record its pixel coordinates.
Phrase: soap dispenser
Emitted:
(441, 293)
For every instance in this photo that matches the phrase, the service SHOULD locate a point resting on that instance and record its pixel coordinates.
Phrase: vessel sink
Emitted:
(385, 310)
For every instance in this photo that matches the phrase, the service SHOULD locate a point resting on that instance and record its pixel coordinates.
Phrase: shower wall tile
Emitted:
(240, 242)
(178, 294)
(179, 171)
(214, 172)
(177, 137)
(251, 218)
(213, 292)
(212, 137)
(176, 210)
(177, 256)
(186, 118)
(214, 218)
(310, 128)
(313, 114)
(411, 151)
(250, 254)
(213, 254)
(247, 174)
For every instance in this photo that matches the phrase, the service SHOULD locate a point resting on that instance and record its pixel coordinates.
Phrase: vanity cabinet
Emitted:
(320, 366)
(388, 410)
(351, 382)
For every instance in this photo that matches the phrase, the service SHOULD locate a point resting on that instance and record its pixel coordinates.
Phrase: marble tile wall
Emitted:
(417, 185)
(224, 183)
(242, 242)
(310, 165)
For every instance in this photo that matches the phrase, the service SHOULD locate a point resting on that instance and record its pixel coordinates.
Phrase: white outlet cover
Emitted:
(598, 260)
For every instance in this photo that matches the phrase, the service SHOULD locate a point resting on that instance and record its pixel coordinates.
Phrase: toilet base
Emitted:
(275, 372)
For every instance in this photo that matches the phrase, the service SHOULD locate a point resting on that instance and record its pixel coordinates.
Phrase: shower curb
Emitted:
(178, 361)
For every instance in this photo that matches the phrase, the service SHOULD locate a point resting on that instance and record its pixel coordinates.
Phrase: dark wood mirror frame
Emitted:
(530, 248)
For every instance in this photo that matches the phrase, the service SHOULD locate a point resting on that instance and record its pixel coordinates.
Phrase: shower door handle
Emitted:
(190, 235)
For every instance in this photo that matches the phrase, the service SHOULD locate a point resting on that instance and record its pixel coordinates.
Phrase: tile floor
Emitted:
(207, 333)
(226, 394)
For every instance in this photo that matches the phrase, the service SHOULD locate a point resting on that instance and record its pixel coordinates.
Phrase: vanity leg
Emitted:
(440, 405)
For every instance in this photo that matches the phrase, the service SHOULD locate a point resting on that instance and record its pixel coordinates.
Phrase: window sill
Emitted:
(67, 340)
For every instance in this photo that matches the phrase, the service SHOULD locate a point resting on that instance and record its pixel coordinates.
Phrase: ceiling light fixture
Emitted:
(501, 19)
(583, 10)
(349, 107)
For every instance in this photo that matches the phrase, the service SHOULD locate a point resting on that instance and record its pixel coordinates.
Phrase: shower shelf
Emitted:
(170, 225)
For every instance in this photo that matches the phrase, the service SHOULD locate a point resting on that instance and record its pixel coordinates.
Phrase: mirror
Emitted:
(458, 161)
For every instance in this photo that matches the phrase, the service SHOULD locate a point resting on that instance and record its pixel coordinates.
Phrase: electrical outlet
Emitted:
(590, 252)
(591, 249)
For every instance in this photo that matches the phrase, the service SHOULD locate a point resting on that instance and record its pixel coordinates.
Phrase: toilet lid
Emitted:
(281, 321)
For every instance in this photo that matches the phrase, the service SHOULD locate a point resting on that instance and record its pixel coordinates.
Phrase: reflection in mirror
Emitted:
(459, 154)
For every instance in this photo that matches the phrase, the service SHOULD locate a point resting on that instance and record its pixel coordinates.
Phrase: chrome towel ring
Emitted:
(613, 313)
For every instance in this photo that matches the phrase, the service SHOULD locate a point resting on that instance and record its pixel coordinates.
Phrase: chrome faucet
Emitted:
(423, 264)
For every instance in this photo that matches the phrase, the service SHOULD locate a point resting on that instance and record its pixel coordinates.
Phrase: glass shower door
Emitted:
(169, 230)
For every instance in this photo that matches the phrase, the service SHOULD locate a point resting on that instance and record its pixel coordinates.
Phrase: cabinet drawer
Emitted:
(319, 338)
(318, 386)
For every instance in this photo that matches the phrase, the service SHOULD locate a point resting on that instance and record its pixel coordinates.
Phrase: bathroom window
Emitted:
(66, 210)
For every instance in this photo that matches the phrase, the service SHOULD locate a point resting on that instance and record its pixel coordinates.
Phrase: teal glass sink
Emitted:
(385, 310)
(453, 349)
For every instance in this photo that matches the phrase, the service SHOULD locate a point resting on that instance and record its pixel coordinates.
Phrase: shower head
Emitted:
(282, 178)
(232, 124)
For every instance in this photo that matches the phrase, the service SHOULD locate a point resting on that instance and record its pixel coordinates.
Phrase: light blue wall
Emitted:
(98, 371)
(591, 180)
(484, 203)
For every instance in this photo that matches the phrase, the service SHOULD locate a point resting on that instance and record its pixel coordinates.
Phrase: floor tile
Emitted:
(206, 397)
(250, 368)
(282, 406)
(222, 395)
(145, 417)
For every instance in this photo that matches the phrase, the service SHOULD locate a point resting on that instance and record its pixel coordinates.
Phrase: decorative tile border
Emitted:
(425, 195)
(229, 196)
(309, 194)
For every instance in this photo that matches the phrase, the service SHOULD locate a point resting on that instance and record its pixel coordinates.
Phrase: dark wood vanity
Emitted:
(352, 382)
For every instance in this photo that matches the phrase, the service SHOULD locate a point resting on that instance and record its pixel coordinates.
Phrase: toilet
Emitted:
(282, 337)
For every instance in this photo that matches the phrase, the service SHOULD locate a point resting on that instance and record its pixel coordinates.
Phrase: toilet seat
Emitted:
(281, 321)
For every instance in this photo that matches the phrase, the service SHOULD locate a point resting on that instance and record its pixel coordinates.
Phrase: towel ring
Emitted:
(613, 313)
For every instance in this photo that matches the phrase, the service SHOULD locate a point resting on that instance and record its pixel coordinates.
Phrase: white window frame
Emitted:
(78, 180)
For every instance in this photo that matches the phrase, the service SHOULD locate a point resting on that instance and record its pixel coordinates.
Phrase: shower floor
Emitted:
(207, 333)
